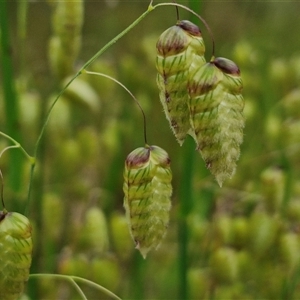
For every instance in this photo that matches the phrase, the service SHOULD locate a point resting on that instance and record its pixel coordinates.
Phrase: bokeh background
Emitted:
(241, 241)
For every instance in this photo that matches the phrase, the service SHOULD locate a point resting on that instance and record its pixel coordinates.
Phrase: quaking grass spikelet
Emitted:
(180, 49)
(147, 188)
(216, 107)
(15, 254)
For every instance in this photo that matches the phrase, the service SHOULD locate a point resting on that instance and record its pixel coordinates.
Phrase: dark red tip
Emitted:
(226, 65)
(189, 27)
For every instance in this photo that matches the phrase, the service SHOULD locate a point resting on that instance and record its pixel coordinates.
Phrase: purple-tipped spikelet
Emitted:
(216, 109)
(180, 49)
(147, 188)
(15, 254)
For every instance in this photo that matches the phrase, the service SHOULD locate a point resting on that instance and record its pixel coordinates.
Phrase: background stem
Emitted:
(10, 103)
(185, 207)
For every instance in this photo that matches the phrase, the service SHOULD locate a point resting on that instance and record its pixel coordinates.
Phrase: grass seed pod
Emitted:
(16, 254)
(66, 40)
(94, 233)
(216, 106)
(231, 119)
(289, 246)
(147, 188)
(223, 264)
(179, 49)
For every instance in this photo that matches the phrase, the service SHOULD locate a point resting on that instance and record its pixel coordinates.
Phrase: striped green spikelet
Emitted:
(180, 49)
(216, 107)
(15, 254)
(147, 188)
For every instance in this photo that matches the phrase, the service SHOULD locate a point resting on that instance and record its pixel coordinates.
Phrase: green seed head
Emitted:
(289, 245)
(180, 49)
(147, 189)
(16, 254)
(224, 265)
(273, 184)
(94, 233)
(216, 106)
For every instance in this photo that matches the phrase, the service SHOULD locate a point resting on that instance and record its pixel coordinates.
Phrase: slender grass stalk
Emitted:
(130, 93)
(74, 279)
(22, 32)
(137, 277)
(185, 207)
(10, 100)
(18, 145)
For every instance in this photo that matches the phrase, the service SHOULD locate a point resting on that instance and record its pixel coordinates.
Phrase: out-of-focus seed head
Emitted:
(224, 265)
(289, 250)
(263, 230)
(272, 183)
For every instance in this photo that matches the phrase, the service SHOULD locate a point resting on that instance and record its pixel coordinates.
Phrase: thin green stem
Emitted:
(73, 280)
(22, 30)
(186, 204)
(31, 159)
(78, 289)
(18, 145)
(130, 93)
(2, 187)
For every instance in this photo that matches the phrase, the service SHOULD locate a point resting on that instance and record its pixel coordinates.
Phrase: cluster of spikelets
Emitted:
(16, 254)
(202, 99)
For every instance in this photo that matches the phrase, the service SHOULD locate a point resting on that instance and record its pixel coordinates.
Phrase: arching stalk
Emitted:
(129, 92)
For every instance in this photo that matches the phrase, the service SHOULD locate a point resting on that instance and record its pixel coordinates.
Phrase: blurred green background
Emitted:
(240, 241)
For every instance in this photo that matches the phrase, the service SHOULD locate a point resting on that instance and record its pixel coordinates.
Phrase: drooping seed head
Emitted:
(216, 110)
(180, 50)
(147, 188)
(16, 254)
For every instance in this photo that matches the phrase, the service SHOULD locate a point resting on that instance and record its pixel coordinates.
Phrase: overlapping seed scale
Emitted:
(16, 254)
(179, 49)
(205, 97)
(147, 189)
